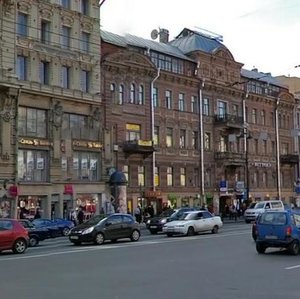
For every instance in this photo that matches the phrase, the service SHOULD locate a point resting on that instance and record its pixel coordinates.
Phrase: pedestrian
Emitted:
(137, 214)
(37, 214)
(80, 215)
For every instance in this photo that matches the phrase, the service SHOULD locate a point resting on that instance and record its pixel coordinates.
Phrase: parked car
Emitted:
(100, 228)
(13, 236)
(279, 229)
(271, 205)
(64, 225)
(193, 222)
(155, 224)
(52, 226)
(35, 234)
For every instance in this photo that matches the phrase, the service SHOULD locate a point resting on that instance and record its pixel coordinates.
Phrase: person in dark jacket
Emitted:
(80, 216)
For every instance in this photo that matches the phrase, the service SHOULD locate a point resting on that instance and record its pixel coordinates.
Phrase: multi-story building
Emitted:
(51, 118)
(188, 124)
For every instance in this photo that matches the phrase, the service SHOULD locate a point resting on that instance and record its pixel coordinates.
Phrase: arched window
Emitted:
(141, 95)
(121, 94)
(132, 94)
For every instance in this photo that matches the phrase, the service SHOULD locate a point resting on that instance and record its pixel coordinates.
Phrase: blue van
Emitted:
(279, 229)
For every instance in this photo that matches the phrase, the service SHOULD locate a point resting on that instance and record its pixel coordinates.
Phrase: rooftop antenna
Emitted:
(154, 34)
(210, 34)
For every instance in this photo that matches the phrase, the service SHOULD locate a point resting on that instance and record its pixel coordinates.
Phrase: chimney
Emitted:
(163, 36)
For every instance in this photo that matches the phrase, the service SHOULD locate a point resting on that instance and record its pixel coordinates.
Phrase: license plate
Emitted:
(152, 226)
(74, 237)
(271, 237)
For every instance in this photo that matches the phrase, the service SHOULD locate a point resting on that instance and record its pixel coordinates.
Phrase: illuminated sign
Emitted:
(145, 142)
(35, 142)
(87, 144)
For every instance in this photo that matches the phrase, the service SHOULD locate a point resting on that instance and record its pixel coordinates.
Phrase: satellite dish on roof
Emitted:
(154, 34)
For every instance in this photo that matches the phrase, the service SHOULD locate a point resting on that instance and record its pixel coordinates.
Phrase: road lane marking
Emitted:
(292, 267)
(115, 246)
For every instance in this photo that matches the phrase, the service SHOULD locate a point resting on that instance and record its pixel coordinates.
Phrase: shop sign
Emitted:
(262, 164)
(87, 144)
(145, 142)
(239, 186)
(34, 142)
(223, 186)
(68, 189)
(13, 191)
(153, 194)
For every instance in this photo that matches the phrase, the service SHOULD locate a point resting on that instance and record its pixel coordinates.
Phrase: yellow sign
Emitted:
(87, 144)
(35, 142)
(133, 127)
(145, 142)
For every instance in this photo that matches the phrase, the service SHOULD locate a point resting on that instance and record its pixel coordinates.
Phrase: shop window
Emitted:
(28, 206)
(133, 132)
(33, 166)
(86, 166)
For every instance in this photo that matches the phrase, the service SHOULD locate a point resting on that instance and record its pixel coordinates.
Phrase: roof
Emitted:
(265, 77)
(190, 40)
(132, 40)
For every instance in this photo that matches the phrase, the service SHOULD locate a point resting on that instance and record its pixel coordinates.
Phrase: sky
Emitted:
(262, 34)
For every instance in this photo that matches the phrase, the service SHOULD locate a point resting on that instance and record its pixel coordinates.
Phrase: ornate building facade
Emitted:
(189, 125)
(52, 119)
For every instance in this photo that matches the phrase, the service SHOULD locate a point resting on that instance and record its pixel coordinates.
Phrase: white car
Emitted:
(193, 222)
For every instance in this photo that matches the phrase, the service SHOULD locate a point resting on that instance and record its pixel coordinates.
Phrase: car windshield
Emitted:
(259, 205)
(276, 218)
(94, 220)
(166, 213)
(188, 216)
(252, 205)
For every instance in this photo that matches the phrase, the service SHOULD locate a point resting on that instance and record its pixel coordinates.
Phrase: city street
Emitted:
(224, 265)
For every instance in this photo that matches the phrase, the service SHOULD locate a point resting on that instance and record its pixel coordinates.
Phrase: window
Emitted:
(141, 175)
(45, 32)
(182, 142)
(45, 72)
(86, 166)
(273, 144)
(156, 176)
(196, 177)
(254, 116)
(205, 107)
(155, 97)
(156, 135)
(85, 81)
(194, 104)
(169, 176)
(65, 3)
(121, 94)
(264, 147)
(168, 99)
(85, 38)
(182, 176)
(32, 122)
(207, 141)
(263, 117)
(222, 144)
(66, 37)
(22, 24)
(272, 119)
(133, 132)
(284, 148)
(222, 109)
(125, 170)
(84, 7)
(207, 178)
(255, 146)
(169, 137)
(76, 124)
(181, 102)
(195, 140)
(22, 67)
(33, 165)
(141, 95)
(65, 77)
(132, 94)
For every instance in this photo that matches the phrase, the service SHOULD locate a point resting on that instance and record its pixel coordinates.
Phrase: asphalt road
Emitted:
(209, 266)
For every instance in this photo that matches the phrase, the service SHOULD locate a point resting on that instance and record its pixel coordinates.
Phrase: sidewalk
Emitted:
(238, 220)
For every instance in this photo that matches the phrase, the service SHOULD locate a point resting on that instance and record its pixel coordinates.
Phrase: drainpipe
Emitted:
(245, 134)
(201, 142)
(152, 127)
(277, 150)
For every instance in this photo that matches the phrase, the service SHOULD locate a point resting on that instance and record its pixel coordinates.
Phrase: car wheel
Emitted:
(135, 236)
(294, 248)
(260, 248)
(33, 241)
(190, 231)
(99, 239)
(169, 234)
(65, 231)
(19, 246)
(153, 232)
(215, 229)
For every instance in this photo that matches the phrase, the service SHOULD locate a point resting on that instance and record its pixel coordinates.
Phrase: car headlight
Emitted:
(148, 221)
(163, 221)
(87, 231)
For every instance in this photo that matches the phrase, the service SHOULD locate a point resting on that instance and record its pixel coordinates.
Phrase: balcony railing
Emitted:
(138, 146)
(289, 159)
(231, 159)
(229, 120)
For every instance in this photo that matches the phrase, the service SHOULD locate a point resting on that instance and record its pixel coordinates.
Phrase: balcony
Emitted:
(230, 121)
(289, 159)
(231, 159)
(144, 147)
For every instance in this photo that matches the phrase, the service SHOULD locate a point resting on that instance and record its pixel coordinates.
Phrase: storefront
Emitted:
(5, 207)
(89, 204)
(29, 205)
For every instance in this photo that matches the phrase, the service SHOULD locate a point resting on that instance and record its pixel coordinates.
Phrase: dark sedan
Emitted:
(100, 228)
(54, 229)
(35, 234)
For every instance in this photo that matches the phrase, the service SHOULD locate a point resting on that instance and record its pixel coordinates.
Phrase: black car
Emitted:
(156, 224)
(35, 234)
(100, 228)
(52, 226)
